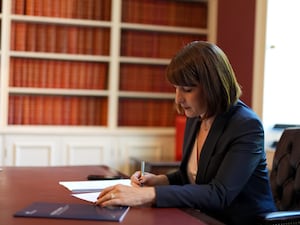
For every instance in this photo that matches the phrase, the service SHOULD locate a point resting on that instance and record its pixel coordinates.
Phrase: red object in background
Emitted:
(180, 126)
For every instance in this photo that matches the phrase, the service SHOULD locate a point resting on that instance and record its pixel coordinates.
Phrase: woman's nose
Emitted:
(178, 97)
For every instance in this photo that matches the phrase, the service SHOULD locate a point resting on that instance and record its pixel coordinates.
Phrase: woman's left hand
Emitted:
(126, 195)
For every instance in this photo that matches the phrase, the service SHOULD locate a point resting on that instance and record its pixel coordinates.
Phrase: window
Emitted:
(282, 75)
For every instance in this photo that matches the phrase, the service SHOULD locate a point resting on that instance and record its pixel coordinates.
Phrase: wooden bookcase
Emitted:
(94, 66)
(58, 62)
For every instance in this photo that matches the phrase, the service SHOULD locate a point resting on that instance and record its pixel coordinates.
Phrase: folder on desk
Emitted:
(73, 211)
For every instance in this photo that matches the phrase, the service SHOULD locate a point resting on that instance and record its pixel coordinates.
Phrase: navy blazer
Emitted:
(232, 182)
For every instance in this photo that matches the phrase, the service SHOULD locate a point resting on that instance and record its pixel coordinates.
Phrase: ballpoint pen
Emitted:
(142, 170)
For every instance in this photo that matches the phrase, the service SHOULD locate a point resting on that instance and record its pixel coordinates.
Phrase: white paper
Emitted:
(90, 197)
(92, 186)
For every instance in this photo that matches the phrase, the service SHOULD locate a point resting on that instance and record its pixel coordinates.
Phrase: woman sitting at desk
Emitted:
(223, 170)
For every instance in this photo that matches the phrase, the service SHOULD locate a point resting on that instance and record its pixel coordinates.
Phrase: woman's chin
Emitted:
(189, 114)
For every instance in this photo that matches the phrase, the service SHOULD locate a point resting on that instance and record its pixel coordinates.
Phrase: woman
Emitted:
(223, 170)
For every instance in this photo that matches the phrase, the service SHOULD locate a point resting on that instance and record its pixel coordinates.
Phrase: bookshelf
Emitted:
(92, 68)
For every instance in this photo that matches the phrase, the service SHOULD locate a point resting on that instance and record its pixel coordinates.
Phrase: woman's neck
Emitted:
(206, 123)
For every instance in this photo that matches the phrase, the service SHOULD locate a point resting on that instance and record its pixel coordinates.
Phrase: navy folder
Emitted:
(73, 211)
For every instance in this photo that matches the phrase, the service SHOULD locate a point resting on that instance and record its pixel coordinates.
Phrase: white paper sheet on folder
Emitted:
(92, 186)
(90, 197)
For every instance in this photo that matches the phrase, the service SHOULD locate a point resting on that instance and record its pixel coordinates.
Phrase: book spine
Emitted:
(50, 74)
(26, 73)
(97, 7)
(91, 111)
(18, 7)
(39, 110)
(20, 36)
(72, 39)
(66, 74)
(36, 73)
(57, 74)
(55, 10)
(74, 113)
(63, 9)
(47, 8)
(82, 114)
(82, 75)
(29, 7)
(80, 40)
(51, 38)
(66, 111)
(11, 110)
(38, 7)
(89, 75)
(43, 73)
(57, 110)
(25, 109)
(49, 111)
(17, 109)
(61, 39)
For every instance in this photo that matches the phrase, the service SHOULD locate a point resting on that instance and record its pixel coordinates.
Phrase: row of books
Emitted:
(42, 73)
(57, 110)
(95, 41)
(171, 13)
(53, 38)
(154, 44)
(78, 9)
(87, 111)
(146, 112)
(148, 78)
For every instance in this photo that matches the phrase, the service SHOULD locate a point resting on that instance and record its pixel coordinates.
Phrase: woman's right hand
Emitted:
(148, 179)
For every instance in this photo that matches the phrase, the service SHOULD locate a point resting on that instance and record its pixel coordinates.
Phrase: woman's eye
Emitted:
(183, 89)
(187, 89)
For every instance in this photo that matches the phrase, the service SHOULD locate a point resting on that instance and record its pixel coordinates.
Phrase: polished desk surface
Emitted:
(21, 186)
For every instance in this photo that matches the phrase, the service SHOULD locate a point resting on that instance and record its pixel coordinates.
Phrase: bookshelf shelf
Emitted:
(59, 56)
(64, 21)
(144, 60)
(146, 95)
(93, 67)
(57, 91)
(162, 28)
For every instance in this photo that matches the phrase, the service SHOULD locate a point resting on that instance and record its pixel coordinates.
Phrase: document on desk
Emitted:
(73, 211)
(92, 185)
(90, 190)
(90, 196)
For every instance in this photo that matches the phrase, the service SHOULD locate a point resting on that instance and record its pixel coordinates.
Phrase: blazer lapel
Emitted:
(210, 143)
(193, 125)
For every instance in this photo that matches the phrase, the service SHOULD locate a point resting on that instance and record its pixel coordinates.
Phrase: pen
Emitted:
(142, 170)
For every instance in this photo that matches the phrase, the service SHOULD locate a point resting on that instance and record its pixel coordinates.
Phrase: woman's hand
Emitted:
(126, 195)
(134, 195)
(148, 179)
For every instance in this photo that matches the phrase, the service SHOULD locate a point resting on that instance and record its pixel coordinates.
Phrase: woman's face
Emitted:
(191, 100)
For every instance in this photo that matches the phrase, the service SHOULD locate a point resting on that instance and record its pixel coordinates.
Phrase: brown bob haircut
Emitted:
(205, 64)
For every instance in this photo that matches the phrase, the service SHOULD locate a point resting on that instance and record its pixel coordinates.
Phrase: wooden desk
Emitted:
(21, 186)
